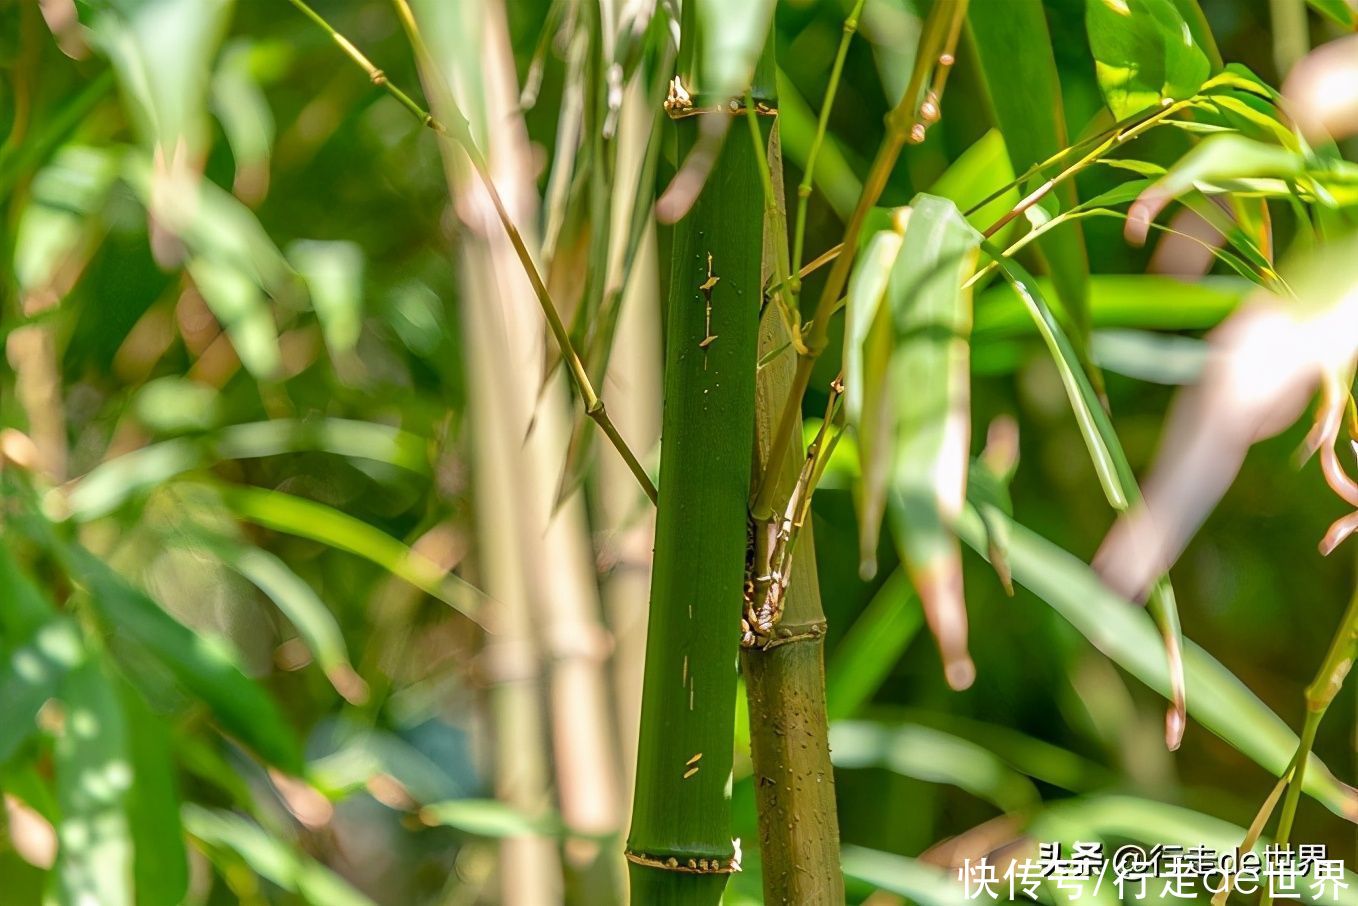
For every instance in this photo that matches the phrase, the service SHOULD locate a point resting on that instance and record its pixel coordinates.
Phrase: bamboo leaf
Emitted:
(975, 175)
(1340, 12)
(1115, 474)
(1126, 634)
(32, 675)
(110, 484)
(1084, 401)
(1014, 49)
(305, 610)
(161, 53)
(928, 376)
(867, 349)
(271, 858)
(239, 103)
(489, 818)
(204, 666)
(1144, 53)
(94, 777)
(1217, 158)
(871, 647)
(160, 866)
(911, 878)
(932, 755)
(333, 272)
(308, 519)
(57, 227)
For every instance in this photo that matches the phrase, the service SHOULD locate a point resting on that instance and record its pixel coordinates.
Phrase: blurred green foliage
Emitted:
(228, 672)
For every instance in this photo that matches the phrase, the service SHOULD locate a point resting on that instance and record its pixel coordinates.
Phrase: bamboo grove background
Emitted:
(322, 582)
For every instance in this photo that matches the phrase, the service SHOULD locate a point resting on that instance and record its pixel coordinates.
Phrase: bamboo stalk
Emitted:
(541, 551)
(680, 848)
(785, 679)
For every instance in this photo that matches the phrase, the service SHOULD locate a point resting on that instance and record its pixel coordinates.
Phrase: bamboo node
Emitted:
(691, 866)
(680, 104)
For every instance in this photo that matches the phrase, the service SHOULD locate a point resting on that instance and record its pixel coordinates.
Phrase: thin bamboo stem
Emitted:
(822, 122)
(459, 130)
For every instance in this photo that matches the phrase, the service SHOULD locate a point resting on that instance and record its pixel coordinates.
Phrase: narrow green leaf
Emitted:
(1126, 634)
(238, 101)
(872, 646)
(932, 755)
(109, 484)
(1144, 53)
(1014, 50)
(867, 350)
(1218, 158)
(305, 610)
(977, 173)
(1084, 401)
(94, 776)
(160, 865)
(1340, 12)
(308, 519)
(204, 666)
(489, 818)
(240, 305)
(919, 882)
(161, 53)
(271, 858)
(334, 274)
(57, 226)
(928, 380)
(1115, 475)
(31, 676)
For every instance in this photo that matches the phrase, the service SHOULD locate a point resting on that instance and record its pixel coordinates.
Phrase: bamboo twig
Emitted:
(460, 131)
(831, 89)
(906, 122)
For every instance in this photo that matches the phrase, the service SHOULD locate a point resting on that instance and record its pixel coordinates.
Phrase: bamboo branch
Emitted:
(906, 122)
(831, 89)
(459, 130)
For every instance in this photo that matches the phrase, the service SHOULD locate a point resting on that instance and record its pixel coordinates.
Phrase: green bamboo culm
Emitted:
(785, 679)
(680, 849)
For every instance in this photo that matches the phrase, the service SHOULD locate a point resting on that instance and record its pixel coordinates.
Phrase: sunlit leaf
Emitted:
(925, 753)
(867, 349)
(281, 862)
(334, 275)
(1144, 53)
(110, 484)
(31, 676)
(240, 105)
(488, 818)
(204, 666)
(308, 519)
(57, 229)
(305, 610)
(919, 882)
(94, 777)
(1127, 635)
